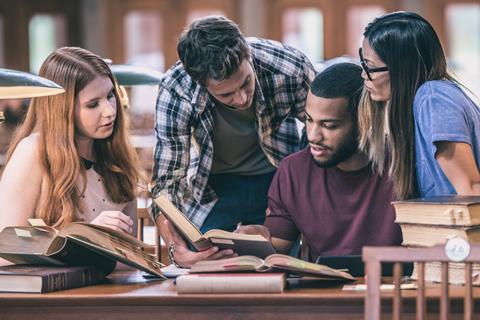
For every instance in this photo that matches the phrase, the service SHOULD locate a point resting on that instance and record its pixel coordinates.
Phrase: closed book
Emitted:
(242, 244)
(440, 210)
(76, 244)
(231, 283)
(274, 262)
(430, 235)
(456, 272)
(40, 279)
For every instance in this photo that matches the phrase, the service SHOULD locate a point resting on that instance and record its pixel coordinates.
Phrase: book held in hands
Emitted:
(242, 244)
(76, 244)
(41, 279)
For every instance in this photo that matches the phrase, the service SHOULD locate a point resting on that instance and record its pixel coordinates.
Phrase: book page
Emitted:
(222, 234)
(179, 220)
(241, 263)
(284, 262)
(123, 247)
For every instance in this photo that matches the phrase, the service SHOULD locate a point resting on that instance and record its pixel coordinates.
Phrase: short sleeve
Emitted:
(440, 113)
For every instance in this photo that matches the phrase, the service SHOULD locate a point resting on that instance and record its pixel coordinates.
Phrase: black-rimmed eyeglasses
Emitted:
(368, 70)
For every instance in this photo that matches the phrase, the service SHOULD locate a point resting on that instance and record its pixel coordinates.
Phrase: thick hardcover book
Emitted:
(243, 244)
(76, 244)
(40, 279)
(231, 283)
(430, 235)
(441, 210)
(456, 272)
(274, 262)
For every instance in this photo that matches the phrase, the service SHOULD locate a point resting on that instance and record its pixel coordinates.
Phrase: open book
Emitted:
(76, 244)
(274, 262)
(243, 244)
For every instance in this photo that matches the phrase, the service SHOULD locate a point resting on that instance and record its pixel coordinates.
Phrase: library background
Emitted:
(144, 33)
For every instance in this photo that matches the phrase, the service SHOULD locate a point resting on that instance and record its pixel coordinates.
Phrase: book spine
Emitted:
(71, 279)
(231, 283)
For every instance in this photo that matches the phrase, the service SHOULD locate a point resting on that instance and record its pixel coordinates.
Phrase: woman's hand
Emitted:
(183, 256)
(115, 220)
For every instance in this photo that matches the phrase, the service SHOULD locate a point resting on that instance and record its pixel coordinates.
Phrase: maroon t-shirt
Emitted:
(338, 212)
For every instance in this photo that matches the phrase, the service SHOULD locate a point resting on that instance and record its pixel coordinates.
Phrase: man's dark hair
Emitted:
(341, 80)
(212, 48)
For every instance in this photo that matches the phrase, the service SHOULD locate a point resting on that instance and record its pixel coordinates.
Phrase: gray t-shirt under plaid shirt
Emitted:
(185, 123)
(236, 147)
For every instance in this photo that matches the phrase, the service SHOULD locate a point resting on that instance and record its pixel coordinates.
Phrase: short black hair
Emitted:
(341, 80)
(212, 48)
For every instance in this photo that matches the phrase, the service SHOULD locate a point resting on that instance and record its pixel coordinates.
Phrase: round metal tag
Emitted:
(457, 249)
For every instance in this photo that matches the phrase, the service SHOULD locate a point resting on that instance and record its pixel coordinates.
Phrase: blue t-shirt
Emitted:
(442, 112)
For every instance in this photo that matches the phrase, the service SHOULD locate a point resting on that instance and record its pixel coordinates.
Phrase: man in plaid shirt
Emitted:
(225, 118)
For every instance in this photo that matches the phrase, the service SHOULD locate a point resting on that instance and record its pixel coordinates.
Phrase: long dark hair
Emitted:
(410, 48)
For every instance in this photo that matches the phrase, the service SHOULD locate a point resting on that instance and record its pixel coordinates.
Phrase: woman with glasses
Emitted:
(414, 109)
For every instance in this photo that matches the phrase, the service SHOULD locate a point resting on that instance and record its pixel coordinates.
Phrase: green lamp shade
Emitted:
(17, 84)
(128, 75)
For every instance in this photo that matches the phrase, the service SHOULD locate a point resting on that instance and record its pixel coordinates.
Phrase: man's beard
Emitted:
(343, 152)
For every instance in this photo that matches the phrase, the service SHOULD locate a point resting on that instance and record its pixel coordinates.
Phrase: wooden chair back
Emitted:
(374, 256)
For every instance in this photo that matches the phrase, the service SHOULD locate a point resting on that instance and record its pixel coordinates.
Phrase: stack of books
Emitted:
(46, 259)
(250, 274)
(430, 221)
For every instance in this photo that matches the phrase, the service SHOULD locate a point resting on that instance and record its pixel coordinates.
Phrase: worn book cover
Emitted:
(231, 283)
(274, 262)
(430, 235)
(441, 210)
(76, 244)
(242, 244)
(456, 272)
(41, 279)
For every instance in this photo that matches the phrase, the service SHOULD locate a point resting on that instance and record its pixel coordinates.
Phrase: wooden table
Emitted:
(129, 296)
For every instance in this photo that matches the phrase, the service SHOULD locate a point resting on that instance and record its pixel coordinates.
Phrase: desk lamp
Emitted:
(128, 75)
(17, 84)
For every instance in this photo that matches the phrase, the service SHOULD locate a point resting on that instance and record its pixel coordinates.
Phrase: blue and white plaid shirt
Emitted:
(185, 122)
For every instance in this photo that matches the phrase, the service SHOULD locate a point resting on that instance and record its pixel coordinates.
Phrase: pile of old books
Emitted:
(46, 259)
(430, 221)
(250, 274)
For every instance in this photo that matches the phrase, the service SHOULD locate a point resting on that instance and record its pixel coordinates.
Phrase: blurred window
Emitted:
(463, 38)
(200, 13)
(302, 28)
(144, 32)
(2, 44)
(47, 32)
(358, 17)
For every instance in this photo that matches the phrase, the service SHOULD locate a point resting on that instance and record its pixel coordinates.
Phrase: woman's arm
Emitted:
(458, 163)
(20, 185)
